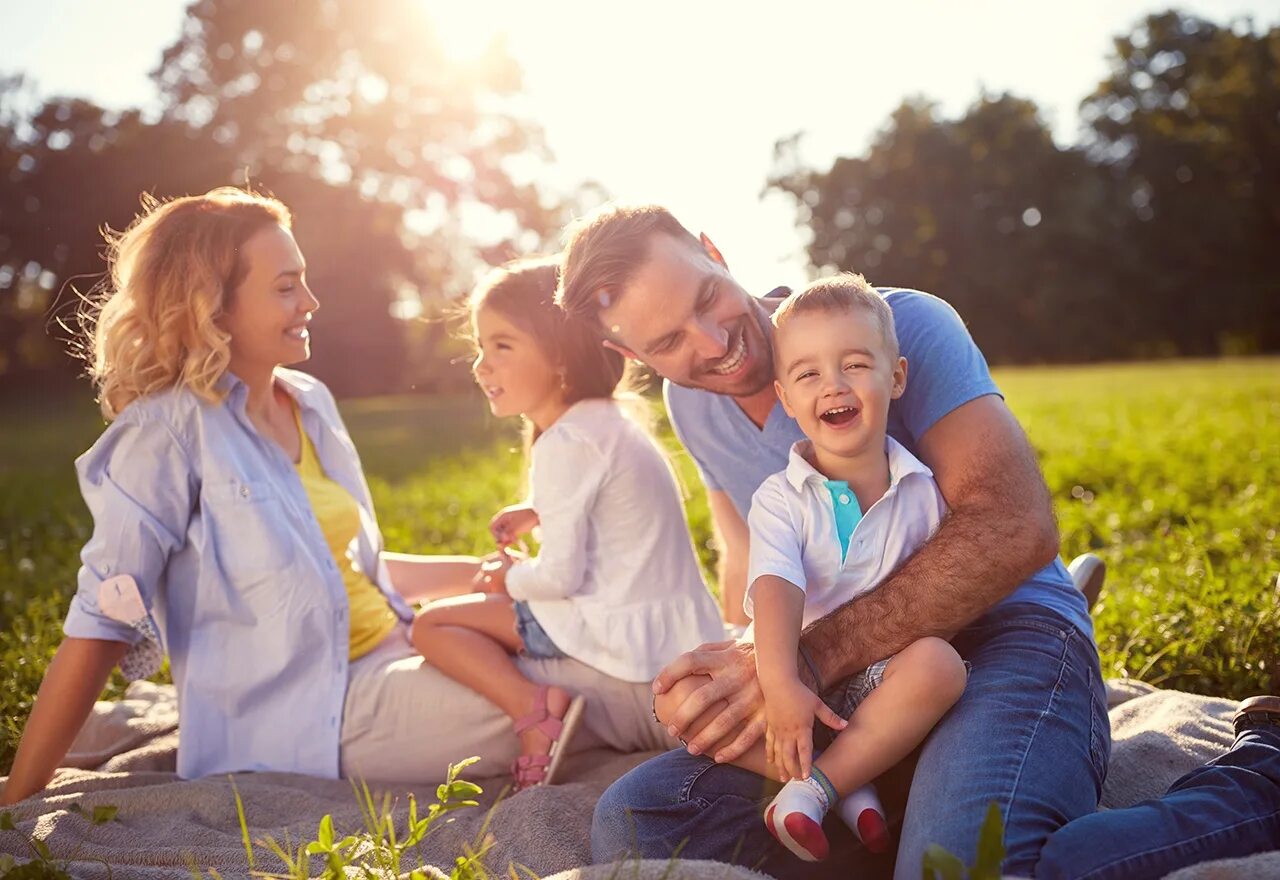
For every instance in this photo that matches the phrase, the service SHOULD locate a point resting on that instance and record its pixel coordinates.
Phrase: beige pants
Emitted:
(405, 721)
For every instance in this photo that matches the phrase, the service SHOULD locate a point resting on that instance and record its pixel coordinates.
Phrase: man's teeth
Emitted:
(733, 360)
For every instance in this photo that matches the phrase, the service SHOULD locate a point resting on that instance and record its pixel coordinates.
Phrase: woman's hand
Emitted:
(492, 577)
(790, 708)
(511, 522)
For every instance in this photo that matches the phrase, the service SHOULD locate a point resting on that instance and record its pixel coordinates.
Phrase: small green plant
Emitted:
(939, 864)
(380, 850)
(43, 866)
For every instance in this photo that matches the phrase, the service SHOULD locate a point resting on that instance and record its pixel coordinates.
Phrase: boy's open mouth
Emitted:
(840, 415)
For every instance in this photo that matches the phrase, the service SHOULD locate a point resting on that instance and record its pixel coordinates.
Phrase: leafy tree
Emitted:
(985, 211)
(1189, 122)
(407, 171)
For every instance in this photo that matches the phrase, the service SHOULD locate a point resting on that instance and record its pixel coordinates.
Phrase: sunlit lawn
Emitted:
(1170, 471)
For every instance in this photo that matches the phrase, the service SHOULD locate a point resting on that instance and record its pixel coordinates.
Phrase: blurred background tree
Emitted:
(410, 171)
(1156, 236)
(405, 169)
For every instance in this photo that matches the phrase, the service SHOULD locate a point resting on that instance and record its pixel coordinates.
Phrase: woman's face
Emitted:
(268, 313)
(511, 368)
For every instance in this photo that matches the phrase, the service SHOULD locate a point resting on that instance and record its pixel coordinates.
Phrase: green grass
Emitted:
(1169, 471)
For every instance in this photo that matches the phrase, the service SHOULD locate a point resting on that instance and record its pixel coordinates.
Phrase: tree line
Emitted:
(1158, 234)
(1155, 235)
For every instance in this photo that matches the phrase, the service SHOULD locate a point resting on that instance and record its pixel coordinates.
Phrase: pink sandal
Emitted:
(531, 770)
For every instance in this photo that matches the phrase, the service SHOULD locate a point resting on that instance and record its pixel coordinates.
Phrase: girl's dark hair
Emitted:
(523, 291)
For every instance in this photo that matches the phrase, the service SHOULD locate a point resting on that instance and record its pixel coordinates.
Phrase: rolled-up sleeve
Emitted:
(776, 539)
(138, 483)
(565, 476)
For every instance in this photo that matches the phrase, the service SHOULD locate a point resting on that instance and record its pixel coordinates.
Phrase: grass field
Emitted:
(1169, 471)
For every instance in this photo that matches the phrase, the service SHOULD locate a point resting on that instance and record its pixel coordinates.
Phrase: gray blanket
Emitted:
(125, 758)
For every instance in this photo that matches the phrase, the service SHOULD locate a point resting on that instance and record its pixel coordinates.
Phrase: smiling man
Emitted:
(1031, 731)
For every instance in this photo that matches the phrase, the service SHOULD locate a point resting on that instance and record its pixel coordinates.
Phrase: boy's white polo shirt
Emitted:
(793, 530)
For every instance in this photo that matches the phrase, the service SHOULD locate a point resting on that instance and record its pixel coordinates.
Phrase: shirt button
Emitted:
(844, 499)
(244, 491)
(106, 569)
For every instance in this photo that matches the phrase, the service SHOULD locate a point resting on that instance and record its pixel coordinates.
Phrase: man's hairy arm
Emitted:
(999, 530)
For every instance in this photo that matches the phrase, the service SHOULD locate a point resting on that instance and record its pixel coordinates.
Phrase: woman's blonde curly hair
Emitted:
(153, 324)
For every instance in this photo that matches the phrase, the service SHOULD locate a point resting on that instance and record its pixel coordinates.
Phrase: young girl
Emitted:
(616, 584)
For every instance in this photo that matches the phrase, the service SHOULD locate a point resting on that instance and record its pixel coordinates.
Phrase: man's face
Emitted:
(684, 316)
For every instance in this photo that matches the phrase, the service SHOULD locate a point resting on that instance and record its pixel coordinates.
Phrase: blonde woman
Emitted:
(234, 531)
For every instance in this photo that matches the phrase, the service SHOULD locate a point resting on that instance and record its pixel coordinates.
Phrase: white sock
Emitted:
(803, 796)
(795, 816)
(851, 809)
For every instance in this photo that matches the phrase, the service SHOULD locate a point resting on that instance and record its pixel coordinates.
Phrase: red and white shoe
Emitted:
(862, 812)
(796, 822)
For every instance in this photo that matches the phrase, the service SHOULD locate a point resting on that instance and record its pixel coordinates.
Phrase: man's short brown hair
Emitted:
(603, 251)
(845, 292)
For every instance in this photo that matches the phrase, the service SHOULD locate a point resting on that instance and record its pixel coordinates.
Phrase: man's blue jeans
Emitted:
(1228, 808)
(1030, 733)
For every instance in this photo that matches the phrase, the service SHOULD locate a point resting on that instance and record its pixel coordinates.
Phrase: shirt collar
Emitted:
(297, 385)
(901, 463)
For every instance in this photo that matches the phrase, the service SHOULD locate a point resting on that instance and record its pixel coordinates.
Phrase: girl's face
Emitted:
(512, 370)
(268, 313)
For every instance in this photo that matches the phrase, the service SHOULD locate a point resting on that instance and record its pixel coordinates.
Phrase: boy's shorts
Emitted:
(537, 644)
(846, 695)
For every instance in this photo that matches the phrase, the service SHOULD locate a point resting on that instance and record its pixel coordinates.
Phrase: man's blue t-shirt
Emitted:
(945, 370)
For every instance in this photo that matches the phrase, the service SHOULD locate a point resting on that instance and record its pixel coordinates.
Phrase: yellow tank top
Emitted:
(339, 517)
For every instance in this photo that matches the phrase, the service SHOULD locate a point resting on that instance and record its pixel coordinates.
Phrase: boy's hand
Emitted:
(790, 708)
(512, 522)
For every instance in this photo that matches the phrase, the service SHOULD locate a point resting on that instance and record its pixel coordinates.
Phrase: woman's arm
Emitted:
(419, 578)
(72, 683)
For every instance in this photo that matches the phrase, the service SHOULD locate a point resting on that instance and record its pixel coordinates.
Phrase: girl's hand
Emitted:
(789, 709)
(512, 522)
(492, 577)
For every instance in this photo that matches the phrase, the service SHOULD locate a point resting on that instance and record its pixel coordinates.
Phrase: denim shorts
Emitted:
(537, 644)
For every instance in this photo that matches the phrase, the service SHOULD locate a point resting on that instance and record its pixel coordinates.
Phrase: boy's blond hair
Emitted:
(845, 292)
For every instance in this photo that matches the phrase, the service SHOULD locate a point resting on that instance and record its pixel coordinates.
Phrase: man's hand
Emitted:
(731, 666)
(510, 523)
(789, 712)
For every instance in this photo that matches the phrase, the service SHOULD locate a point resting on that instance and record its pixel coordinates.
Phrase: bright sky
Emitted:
(680, 101)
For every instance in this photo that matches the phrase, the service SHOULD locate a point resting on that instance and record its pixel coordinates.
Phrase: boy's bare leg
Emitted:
(920, 684)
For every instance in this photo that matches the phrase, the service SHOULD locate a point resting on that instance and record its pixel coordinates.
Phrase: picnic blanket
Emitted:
(125, 757)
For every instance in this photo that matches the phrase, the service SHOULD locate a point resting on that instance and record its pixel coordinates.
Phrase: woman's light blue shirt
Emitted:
(212, 522)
